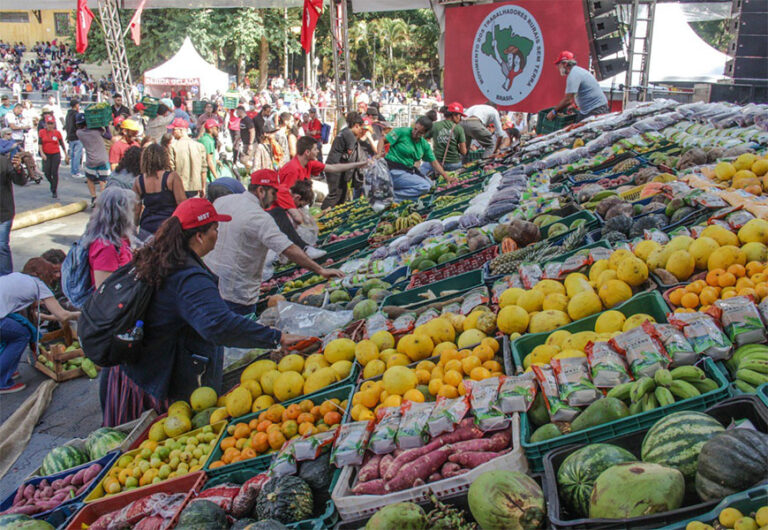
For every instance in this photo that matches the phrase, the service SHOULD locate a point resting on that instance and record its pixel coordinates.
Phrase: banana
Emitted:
(688, 373)
(683, 389)
(641, 387)
(744, 386)
(745, 351)
(620, 391)
(751, 377)
(755, 365)
(599, 196)
(649, 402)
(753, 356)
(708, 385)
(662, 377)
(636, 408)
(663, 396)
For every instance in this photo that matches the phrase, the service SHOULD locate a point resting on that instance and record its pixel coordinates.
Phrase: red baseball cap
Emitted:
(49, 118)
(198, 212)
(118, 120)
(565, 55)
(265, 177)
(139, 106)
(210, 123)
(456, 108)
(179, 123)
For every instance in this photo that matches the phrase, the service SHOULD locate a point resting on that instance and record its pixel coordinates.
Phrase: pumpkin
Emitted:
(202, 514)
(266, 524)
(286, 499)
(730, 462)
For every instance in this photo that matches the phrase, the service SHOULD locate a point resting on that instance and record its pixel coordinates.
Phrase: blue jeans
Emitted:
(15, 338)
(75, 156)
(409, 185)
(426, 167)
(6, 262)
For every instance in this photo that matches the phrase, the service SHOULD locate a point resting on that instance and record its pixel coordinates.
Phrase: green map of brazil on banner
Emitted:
(510, 48)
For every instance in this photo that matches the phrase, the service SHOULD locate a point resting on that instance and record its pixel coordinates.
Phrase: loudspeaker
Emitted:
(749, 47)
(604, 25)
(610, 67)
(599, 7)
(748, 6)
(608, 46)
(747, 68)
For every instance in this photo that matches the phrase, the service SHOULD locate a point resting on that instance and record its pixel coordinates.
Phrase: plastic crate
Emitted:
(456, 208)
(561, 121)
(151, 104)
(97, 117)
(325, 519)
(412, 299)
(353, 244)
(105, 461)
(471, 156)
(230, 100)
(762, 393)
(61, 516)
(724, 412)
(459, 265)
(198, 107)
(746, 502)
(189, 484)
(261, 463)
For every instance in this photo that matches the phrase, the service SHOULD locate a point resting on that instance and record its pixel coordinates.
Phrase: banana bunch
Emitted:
(664, 388)
(407, 221)
(749, 366)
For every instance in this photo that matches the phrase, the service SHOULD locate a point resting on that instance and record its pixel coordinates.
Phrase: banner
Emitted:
(503, 54)
(135, 24)
(84, 19)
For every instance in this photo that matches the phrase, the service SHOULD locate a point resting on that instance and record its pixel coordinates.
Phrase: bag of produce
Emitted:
(557, 408)
(740, 318)
(703, 333)
(575, 386)
(643, 351)
(483, 399)
(413, 424)
(517, 392)
(677, 346)
(351, 442)
(607, 366)
(383, 437)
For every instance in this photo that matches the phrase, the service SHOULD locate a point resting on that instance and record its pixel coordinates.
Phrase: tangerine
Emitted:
(452, 377)
(676, 296)
(453, 364)
(241, 430)
(483, 352)
(747, 291)
(737, 270)
(762, 290)
(708, 296)
(305, 417)
(217, 463)
(276, 439)
(306, 427)
(248, 452)
(332, 418)
(690, 300)
(263, 425)
(227, 442)
(754, 267)
(493, 366)
(729, 294)
(292, 412)
(742, 283)
(492, 343)
(713, 276)
(260, 442)
(696, 287)
(253, 424)
(726, 279)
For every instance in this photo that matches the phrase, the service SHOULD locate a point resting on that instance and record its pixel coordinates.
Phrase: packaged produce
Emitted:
(703, 333)
(158, 505)
(643, 351)
(404, 323)
(741, 320)
(284, 461)
(474, 298)
(517, 392)
(575, 386)
(530, 274)
(677, 346)
(376, 322)
(557, 408)
(447, 414)
(607, 366)
(426, 316)
(484, 396)
(413, 424)
(350, 443)
(310, 446)
(383, 436)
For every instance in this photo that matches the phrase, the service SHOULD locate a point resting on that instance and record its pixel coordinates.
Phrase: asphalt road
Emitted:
(74, 410)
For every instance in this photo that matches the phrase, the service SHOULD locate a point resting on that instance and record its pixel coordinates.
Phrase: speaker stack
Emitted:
(606, 45)
(749, 47)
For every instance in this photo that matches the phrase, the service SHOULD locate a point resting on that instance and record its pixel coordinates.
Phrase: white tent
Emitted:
(184, 70)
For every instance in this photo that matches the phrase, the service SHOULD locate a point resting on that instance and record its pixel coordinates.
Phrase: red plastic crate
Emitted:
(459, 266)
(190, 484)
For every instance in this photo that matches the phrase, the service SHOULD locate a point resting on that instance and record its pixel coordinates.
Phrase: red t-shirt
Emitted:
(50, 141)
(103, 256)
(291, 173)
(118, 149)
(314, 125)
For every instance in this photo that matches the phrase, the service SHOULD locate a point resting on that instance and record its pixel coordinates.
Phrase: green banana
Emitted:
(649, 402)
(620, 391)
(755, 365)
(751, 377)
(688, 373)
(708, 385)
(635, 408)
(663, 396)
(662, 377)
(683, 389)
(599, 196)
(744, 386)
(641, 387)
(743, 352)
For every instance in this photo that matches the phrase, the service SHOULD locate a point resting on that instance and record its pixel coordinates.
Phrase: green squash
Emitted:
(730, 462)
(202, 514)
(287, 499)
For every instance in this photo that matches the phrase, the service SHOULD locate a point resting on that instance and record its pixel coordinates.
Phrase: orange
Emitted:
(676, 296)
(253, 424)
(240, 443)
(423, 376)
(742, 283)
(315, 411)
(229, 454)
(292, 412)
(469, 363)
(448, 391)
(479, 373)
(708, 295)
(727, 290)
(713, 276)
(276, 439)
(306, 427)
(217, 463)
(696, 287)
(248, 453)
(737, 270)
(259, 442)
(493, 366)
(332, 418)
(434, 386)
(263, 425)
(462, 389)
(726, 279)
(437, 372)
(690, 300)
(747, 291)
(452, 377)
(729, 294)
(704, 308)
(263, 415)
(327, 406)
(684, 310)
(463, 354)
(754, 267)
(306, 405)
(762, 290)
(275, 413)
(305, 417)
(448, 355)
(760, 277)
(289, 428)
(492, 343)
(452, 365)
(227, 442)
(482, 352)
(241, 430)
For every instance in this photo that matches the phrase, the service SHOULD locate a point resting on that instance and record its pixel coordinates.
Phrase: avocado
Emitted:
(364, 309)
(451, 247)
(545, 432)
(448, 256)
(371, 284)
(416, 264)
(339, 296)
(599, 412)
(435, 253)
(673, 206)
(426, 264)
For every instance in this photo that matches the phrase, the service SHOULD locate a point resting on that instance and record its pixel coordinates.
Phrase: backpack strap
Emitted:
(164, 183)
(141, 185)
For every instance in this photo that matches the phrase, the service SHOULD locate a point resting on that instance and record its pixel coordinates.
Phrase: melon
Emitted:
(102, 441)
(61, 458)
(506, 499)
(676, 440)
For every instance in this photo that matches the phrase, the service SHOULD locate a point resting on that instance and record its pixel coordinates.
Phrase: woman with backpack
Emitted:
(186, 323)
(159, 189)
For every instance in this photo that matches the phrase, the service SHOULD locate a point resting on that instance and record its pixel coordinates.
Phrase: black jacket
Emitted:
(8, 177)
(69, 125)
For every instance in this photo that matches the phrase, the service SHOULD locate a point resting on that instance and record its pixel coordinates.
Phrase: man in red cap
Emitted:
(138, 115)
(581, 89)
(449, 141)
(208, 139)
(241, 250)
(188, 159)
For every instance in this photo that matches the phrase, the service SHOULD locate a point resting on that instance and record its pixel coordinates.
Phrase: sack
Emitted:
(113, 309)
(76, 275)
(325, 133)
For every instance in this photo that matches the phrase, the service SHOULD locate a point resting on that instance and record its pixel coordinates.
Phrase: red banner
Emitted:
(84, 19)
(503, 54)
(310, 14)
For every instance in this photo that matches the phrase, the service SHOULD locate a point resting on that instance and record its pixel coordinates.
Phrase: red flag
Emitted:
(135, 24)
(312, 11)
(84, 19)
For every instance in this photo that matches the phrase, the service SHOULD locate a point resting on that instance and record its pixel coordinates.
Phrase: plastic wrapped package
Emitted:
(158, 504)
(377, 184)
(310, 321)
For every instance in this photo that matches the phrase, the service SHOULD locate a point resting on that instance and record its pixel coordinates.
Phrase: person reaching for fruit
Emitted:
(186, 322)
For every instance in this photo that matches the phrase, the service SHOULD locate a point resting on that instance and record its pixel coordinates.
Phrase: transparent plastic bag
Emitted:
(310, 321)
(377, 184)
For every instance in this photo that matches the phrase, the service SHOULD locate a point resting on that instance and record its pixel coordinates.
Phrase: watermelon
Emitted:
(676, 441)
(103, 440)
(10, 521)
(580, 469)
(61, 458)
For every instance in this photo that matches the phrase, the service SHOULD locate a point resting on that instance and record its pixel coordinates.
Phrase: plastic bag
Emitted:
(310, 321)
(377, 184)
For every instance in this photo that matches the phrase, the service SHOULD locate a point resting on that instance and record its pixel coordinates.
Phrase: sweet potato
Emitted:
(496, 442)
(472, 459)
(19, 496)
(81, 489)
(67, 480)
(421, 468)
(384, 463)
(372, 487)
(47, 505)
(58, 484)
(29, 491)
(61, 496)
(91, 472)
(418, 482)
(466, 430)
(27, 509)
(47, 492)
(77, 480)
(370, 469)
(434, 477)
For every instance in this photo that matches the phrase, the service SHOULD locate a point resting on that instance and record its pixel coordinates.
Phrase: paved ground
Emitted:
(74, 410)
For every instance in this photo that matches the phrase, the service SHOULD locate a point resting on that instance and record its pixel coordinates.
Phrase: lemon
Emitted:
(642, 250)
(339, 350)
(399, 380)
(557, 301)
(398, 359)
(550, 286)
(383, 340)
(547, 321)
(701, 249)
(512, 318)
(543, 353)
(440, 330)
(440, 348)
(291, 363)
(203, 398)
(724, 171)
(366, 351)
(414, 395)
(288, 385)
(470, 338)
(681, 264)
(416, 346)
(610, 321)
(267, 381)
(256, 369)
(584, 304)
(632, 271)
(374, 368)
(729, 516)
(239, 401)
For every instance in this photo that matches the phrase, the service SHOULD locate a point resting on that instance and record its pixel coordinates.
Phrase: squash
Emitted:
(318, 474)
(266, 524)
(202, 514)
(286, 499)
(730, 462)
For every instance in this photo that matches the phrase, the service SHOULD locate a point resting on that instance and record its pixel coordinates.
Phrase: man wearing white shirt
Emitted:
(475, 126)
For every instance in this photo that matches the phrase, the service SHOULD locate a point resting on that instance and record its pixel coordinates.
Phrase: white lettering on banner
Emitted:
(507, 55)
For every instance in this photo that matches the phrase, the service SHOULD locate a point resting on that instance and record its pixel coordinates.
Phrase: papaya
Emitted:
(402, 515)
(599, 412)
(545, 432)
(506, 499)
(538, 412)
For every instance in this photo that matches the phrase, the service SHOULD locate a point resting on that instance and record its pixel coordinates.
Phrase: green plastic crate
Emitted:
(762, 393)
(561, 121)
(262, 462)
(95, 118)
(238, 476)
(746, 502)
(230, 100)
(461, 284)
(456, 208)
(198, 107)
(151, 105)
(590, 221)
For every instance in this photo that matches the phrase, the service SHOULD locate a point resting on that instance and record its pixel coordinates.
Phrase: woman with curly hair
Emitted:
(159, 189)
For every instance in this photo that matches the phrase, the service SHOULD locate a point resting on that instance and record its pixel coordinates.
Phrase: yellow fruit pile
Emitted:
(562, 343)
(428, 379)
(748, 172)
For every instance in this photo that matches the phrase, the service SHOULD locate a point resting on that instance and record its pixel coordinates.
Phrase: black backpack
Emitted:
(113, 309)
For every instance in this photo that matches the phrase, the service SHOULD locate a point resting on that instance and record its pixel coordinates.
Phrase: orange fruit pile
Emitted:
(721, 284)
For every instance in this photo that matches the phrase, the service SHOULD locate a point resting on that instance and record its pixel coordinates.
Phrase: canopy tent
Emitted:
(184, 70)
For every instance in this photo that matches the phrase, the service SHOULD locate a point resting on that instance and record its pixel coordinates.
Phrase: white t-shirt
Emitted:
(18, 291)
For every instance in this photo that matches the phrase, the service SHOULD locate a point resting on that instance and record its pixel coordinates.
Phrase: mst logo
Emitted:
(507, 55)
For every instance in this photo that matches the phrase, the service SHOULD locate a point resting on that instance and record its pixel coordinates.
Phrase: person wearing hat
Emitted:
(353, 144)
(186, 323)
(118, 109)
(449, 142)
(248, 137)
(139, 117)
(187, 158)
(50, 140)
(210, 142)
(129, 131)
(75, 147)
(313, 127)
(476, 127)
(18, 124)
(96, 167)
(209, 113)
(241, 250)
(581, 89)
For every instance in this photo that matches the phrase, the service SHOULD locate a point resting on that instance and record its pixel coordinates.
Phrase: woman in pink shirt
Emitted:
(109, 232)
